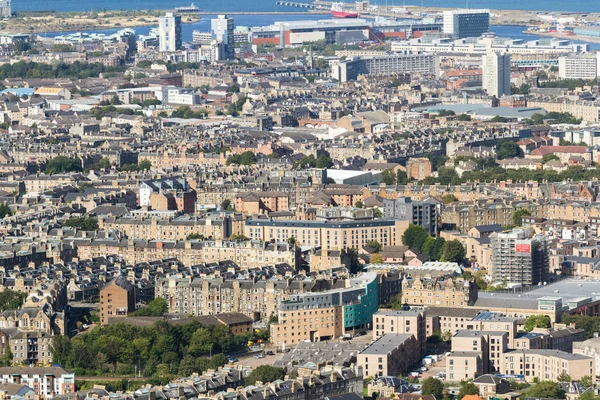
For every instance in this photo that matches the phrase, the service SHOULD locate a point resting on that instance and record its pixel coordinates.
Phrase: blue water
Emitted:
(269, 5)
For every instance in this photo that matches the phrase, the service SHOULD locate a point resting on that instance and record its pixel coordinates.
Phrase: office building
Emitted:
(579, 66)
(169, 32)
(466, 23)
(496, 74)
(5, 8)
(518, 258)
(350, 69)
(222, 30)
(422, 213)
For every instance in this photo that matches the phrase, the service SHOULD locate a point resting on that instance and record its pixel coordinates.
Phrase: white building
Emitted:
(169, 32)
(496, 74)
(180, 96)
(579, 66)
(5, 8)
(47, 382)
(350, 69)
(222, 31)
(466, 23)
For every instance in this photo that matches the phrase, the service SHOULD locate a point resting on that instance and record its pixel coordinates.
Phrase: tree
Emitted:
(104, 163)
(350, 256)
(589, 395)
(145, 165)
(377, 213)
(375, 245)
(324, 162)
(537, 321)
(11, 300)
(388, 177)
(414, 236)
(454, 251)
(586, 381)
(518, 216)
(467, 389)
(265, 373)
(508, 149)
(464, 117)
(498, 118)
(62, 164)
(449, 198)
(194, 236)
(546, 390)
(156, 308)
(401, 178)
(433, 387)
(246, 158)
(83, 223)
(225, 204)
(61, 349)
(549, 157)
(377, 258)
(235, 88)
(359, 204)
(115, 101)
(563, 377)
(5, 210)
(7, 357)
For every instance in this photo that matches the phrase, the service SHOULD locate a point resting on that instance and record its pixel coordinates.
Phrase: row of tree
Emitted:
(437, 248)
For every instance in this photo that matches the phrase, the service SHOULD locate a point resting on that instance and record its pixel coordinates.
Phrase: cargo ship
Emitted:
(337, 11)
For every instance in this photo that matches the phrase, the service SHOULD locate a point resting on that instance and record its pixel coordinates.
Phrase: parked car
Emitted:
(259, 356)
(424, 369)
(232, 359)
(269, 353)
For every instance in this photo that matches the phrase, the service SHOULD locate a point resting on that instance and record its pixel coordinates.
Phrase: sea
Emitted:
(269, 5)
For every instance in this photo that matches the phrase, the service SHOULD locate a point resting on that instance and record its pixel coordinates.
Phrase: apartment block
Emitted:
(475, 353)
(519, 258)
(246, 254)
(547, 365)
(328, 235)
(351, 69)
(116, 299)
(392, 354)
(404, 322)
(439, 292)
(47, 382)
(423, 213)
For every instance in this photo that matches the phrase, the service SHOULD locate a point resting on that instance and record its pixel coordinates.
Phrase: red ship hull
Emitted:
(344, 14)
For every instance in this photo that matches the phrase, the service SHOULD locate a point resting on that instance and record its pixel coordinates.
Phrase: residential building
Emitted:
(418, 168)
(5, 9)
(439, 292)
(336, 235)
(423, 213)
(579, 66)
(518, 258)
(222, 29)
(169, 32)
(547, 365)
(116, 299)
(496, 74)
(326, 315)
(392, 354)
(466, 23)
(47, 382)
(411, 321)
(350, 69)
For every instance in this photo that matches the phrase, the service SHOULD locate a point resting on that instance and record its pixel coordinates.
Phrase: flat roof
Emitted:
(386, 343)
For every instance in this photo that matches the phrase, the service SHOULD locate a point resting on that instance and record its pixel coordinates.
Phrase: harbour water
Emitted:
(269, 5)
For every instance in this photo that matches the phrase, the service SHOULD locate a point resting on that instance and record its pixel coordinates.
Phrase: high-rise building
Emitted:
(579, 66)
(466, 23)
(222, 30)
(5, 8)
(422, 213)
(496, 74)
(169, 32)
(519, 258)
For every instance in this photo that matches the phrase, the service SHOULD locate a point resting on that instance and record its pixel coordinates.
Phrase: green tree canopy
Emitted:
(414, 237)
(11, 300)
(508, 149)
(156, 308)
(5, 210)
(454, 251)
(62, 164)
(432, 386)
(537, 321)
(83, 223)
(388, 177)
(467, 389)
(545, 390)
(518, 216)
(246, 158)
(375, 245)
(264, 374)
